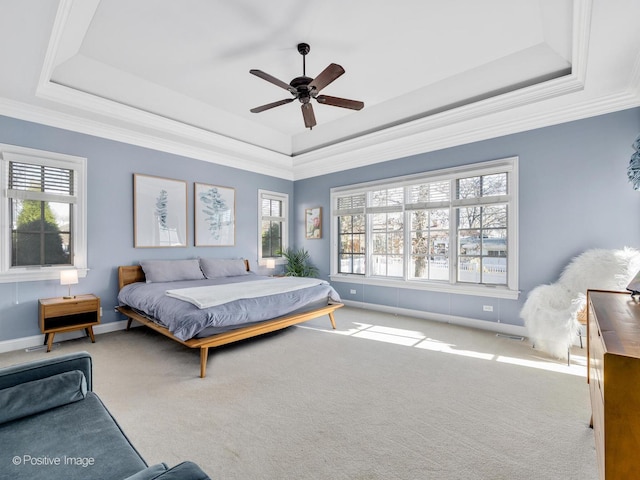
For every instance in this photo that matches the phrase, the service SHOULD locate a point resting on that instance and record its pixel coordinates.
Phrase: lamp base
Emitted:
(69, 297)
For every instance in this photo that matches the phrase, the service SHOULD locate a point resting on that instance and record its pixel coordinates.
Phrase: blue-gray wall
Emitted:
(573, 195)
(110, 169)
(573, 192)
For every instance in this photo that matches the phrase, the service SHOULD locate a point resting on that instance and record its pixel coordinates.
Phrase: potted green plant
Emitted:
(298, 263)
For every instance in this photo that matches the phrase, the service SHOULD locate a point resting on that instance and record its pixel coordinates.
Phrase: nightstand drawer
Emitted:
(71, 307)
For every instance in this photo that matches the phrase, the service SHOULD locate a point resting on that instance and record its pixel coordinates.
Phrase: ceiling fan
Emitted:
(304, 89)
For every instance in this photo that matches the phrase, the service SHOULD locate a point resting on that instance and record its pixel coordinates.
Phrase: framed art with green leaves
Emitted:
(214, 215)
(159, 212)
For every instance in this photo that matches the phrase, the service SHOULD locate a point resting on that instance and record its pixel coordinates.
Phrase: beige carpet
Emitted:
(383, 397)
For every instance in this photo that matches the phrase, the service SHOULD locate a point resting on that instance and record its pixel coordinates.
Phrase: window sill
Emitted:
(263, 263)
(459, 289)
(36, 275)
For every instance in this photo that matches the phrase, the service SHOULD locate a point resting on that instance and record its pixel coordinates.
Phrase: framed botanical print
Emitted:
(214, 215)
(313, 222)
(159, 212)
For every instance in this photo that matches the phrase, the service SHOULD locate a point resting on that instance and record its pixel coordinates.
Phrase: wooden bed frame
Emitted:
(131, 274)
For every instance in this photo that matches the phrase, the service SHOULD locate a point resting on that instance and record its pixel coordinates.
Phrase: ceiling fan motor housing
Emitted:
(301, 84)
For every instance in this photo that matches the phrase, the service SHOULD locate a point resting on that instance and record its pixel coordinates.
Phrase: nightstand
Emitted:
(61, 314)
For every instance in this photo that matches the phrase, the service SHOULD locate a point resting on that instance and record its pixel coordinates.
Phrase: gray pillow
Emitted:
(37, 396)
(171, 270)
(223, 267)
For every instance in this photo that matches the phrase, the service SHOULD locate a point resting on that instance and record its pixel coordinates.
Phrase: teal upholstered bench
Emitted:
(52, 425)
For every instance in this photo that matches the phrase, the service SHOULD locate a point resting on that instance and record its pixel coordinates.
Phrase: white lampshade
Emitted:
(271, 263)
(68, 277)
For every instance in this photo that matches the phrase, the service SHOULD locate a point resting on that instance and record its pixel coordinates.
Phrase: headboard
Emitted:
(133, 273)
(130, 274)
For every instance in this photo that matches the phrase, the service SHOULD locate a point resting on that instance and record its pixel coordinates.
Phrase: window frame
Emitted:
(32, 156)
(271, 195)
(452, 285)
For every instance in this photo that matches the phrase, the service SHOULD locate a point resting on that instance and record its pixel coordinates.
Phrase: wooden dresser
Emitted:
(613, 346)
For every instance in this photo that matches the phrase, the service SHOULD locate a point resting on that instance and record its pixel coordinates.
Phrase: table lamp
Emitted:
(69, 277)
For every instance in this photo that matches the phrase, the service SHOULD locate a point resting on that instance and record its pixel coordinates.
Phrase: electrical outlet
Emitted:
(100, 311)
(487, 308)
(352, 291)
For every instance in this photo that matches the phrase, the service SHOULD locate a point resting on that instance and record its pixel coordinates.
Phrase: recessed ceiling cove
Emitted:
(407, 60)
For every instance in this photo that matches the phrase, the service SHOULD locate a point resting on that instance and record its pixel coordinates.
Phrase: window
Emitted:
(429, 230)
(273, 210)
(482, 229)
(451, 230)
(352, 244)
(43, 214)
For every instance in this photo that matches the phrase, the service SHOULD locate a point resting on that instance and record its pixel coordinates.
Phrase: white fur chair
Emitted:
(550, 311)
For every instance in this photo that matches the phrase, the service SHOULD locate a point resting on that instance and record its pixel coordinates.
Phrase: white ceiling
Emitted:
(175, 75)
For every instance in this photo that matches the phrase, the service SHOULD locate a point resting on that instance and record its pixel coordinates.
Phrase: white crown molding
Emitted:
(414, 139)
(271, 164)
(582, 10)
(439, 138)
(61, 21)
(139, 118)
(634, 82)
(411, 138)
(248, 157)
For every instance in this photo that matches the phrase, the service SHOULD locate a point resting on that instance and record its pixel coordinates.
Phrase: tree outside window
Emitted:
(37, 237)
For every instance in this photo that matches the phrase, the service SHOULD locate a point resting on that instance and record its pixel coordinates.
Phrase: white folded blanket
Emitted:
(212, 295)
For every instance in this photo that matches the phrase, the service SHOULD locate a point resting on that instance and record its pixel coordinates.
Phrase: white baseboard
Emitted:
(38, 340)
(497, 327)
(503, 328)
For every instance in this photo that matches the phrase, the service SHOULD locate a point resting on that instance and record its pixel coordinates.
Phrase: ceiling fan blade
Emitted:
(340, 102)
(307, 114)
(327, 76)
(271, 105)
(272, 79)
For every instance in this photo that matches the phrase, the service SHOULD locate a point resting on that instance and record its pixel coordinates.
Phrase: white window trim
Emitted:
(29, 155)
(284, 197)
(510, 291)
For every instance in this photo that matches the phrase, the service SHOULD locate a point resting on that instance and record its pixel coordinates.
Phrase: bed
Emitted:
(204, 303)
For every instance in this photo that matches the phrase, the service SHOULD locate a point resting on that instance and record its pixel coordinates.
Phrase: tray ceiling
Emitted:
(175, 75)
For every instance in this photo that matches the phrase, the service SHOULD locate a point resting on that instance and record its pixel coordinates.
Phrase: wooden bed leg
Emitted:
(129, 323)
(333, 320)
(204, 355)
